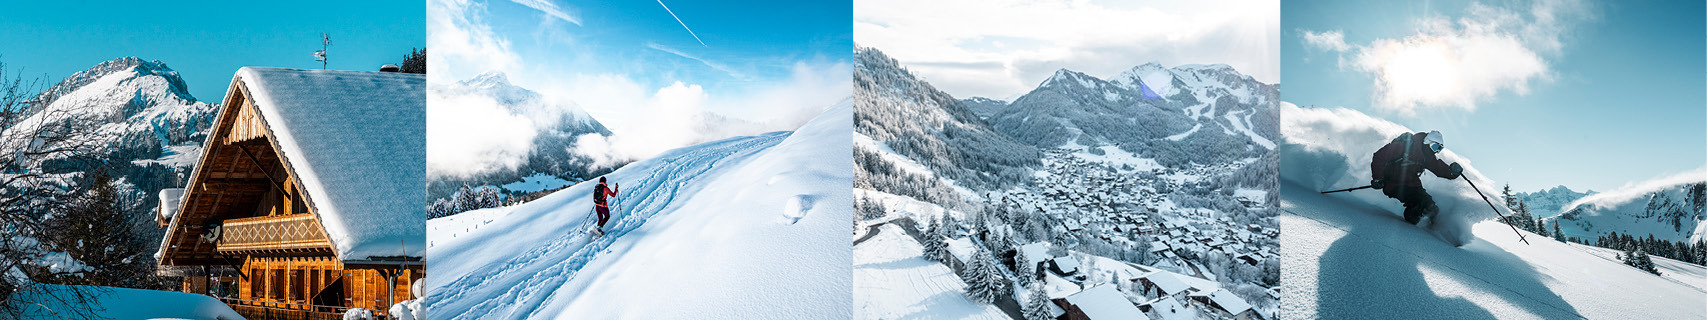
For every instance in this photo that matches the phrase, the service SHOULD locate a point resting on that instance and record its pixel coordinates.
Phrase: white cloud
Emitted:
(1329, 40)
(1000, 48)
(1457, 63)
(463, 44)
(469, 135)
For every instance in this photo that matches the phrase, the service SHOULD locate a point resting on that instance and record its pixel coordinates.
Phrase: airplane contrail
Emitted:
(684, 24)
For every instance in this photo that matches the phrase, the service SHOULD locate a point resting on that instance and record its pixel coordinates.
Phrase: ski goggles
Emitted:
(1435, 147)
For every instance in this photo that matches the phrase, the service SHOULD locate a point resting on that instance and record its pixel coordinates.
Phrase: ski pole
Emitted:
(1496, 210)
(1348, 189)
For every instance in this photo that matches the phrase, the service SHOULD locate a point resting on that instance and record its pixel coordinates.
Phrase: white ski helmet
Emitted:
(1434, 141)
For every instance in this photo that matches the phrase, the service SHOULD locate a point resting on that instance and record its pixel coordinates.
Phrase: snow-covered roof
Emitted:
(1232, 303)
(170, 198)
(1067, 264)
(1169, 309)
(1103, 302)
(1167, 281)
(355, 142)
(1035, 252)
(961, 248)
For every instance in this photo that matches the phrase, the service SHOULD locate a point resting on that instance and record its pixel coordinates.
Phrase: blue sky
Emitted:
(1604, 95)
(647, 70)
(206, 41)
(544, 45)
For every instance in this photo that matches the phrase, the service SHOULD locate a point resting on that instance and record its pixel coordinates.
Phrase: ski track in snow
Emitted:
(523, 278)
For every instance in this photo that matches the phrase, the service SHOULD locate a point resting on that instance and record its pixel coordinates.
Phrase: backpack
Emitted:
(599, 193)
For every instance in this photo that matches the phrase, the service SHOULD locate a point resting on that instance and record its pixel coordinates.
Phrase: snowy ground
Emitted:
(1348, 259)
(1689, 274)
(893, 280)
(126, 303)
(727, 229)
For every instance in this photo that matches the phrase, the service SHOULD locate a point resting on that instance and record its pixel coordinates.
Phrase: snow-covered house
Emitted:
(1163, 284)
(1099, 302)
(1064, 266)
(1224, 304)
(1166, 308)
(309, 189)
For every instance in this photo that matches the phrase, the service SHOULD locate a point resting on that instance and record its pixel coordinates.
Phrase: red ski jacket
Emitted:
(600, 193)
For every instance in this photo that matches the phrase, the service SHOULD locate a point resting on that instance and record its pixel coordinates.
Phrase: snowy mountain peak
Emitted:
(1068, 77)
(490, 79)
(140, 68)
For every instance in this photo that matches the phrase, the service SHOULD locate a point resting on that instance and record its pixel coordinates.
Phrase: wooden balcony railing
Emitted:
(253, 309)
(279, 232)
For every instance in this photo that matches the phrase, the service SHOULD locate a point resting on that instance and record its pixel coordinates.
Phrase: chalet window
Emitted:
(313, 282)
(257, 284)
(278, 284)
(297, 286)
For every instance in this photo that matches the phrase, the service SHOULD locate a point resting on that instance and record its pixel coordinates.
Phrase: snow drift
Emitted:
(1326, 149)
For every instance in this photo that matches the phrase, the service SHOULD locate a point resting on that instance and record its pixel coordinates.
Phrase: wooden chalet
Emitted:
(308, 197)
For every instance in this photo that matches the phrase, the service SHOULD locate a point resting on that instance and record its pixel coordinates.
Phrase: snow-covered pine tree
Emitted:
(1541, 228)
(1510, 200)
(1037, 305)
(1026, 271)
(1558, 234)
(983, 283)
(935, 247)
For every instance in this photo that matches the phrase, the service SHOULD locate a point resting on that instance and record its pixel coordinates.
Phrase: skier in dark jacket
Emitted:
(601, 192)
(1398, 166)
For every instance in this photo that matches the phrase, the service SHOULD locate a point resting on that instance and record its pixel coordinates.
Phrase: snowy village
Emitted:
(1038, 207)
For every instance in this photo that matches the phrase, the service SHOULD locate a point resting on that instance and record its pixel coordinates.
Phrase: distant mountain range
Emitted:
(1674, 210)
(1191, 113)
(1548, 203)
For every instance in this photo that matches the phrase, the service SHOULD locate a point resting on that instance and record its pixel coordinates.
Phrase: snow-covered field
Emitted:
(893, 280)
(1689, 274)
(733, 229)
(126, 303)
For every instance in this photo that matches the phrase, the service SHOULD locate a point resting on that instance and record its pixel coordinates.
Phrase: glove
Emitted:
(1457, 170)
(1377, 184)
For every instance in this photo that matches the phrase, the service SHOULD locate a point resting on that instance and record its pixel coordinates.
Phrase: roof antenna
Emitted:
(325, 41)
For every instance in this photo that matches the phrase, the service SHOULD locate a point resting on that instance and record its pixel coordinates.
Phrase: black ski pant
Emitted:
(1418, 203)
(604, 214)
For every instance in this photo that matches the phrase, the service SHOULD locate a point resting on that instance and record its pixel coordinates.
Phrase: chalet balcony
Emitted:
(252, 309)
(290, 232)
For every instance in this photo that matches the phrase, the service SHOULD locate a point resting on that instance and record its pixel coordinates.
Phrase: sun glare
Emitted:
(1424, 71)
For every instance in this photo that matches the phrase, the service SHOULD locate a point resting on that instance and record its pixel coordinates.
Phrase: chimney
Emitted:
(389, 68)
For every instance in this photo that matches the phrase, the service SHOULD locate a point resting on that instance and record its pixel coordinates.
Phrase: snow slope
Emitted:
(733, 228)
(126, 303)
(1352, 256)
(1347, 259)
(1327, 149)
(895, 281)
